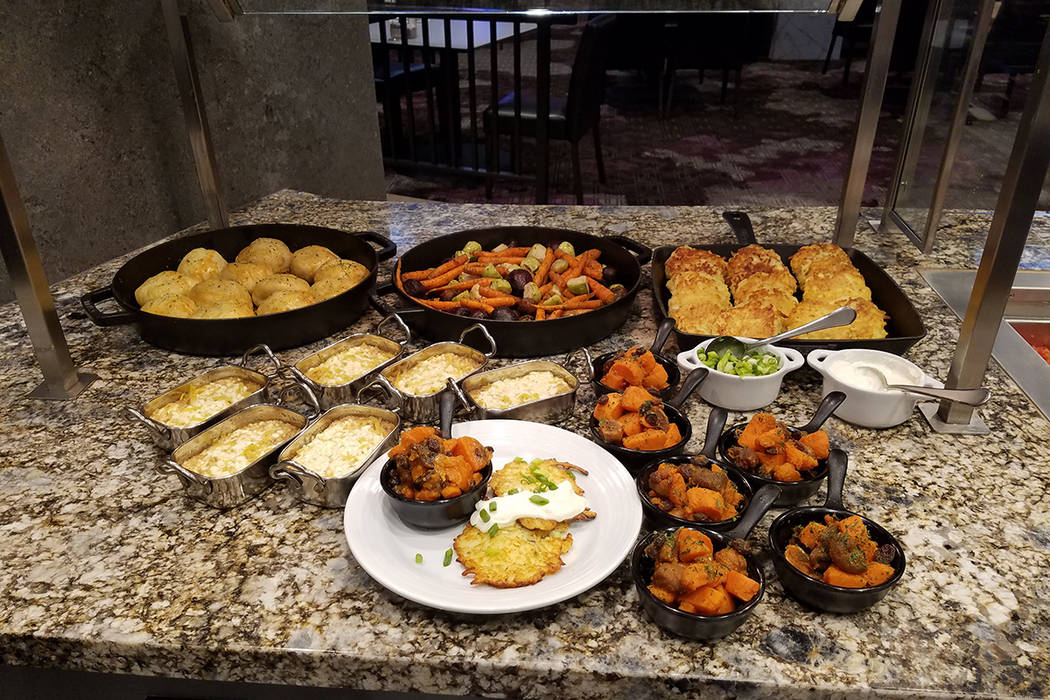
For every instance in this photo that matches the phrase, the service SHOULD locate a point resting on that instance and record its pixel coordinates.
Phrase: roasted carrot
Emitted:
(557, 313)
(541, 274)
(444, 278)
(540, 313)
(469, 303)
(496, 302)
(439, 305)
(601, 291)
(418, 274)
(460, 286)
(448, 265)
(520, 251)
(593, 268)
(582, 304)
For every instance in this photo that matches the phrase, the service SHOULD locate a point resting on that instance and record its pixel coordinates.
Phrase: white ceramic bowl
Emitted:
(741, 393)
(866, 408)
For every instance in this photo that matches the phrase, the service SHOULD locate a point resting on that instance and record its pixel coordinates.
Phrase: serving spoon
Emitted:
(970, 397)
(842, 316)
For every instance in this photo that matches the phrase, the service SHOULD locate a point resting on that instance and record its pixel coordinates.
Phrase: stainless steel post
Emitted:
(1018, 198)
(193, 111)
(61, 378)
(875, 72)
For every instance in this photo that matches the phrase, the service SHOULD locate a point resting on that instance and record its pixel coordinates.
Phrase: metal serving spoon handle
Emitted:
(970, 397)
(841, 316)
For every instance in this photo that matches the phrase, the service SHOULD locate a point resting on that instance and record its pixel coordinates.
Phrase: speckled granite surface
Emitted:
(107, 567)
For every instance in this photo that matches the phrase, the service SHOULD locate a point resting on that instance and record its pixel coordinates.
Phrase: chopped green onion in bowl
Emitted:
(756, 363)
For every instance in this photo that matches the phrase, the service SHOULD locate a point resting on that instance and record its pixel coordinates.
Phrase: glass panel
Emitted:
(531, 7)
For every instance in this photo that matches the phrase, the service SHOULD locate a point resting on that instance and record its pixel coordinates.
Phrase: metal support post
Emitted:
(915, 126)
(61, 378)
(875, 72)
(178, 30)
(1018, 199)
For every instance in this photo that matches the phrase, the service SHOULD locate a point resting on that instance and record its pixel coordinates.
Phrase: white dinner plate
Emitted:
(386, 548)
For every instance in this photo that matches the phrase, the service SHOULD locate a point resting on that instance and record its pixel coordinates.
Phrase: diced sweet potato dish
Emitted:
(771, 449)
(690, 575)
(636, 420)
(697, 490)
(428, 467)
(840, 553)
(636, 367)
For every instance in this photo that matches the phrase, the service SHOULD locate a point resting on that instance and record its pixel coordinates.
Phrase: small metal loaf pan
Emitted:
(169, 437)
(330, 492)
(551, 409)
(332, 395)
(233, 490)
(425, 408)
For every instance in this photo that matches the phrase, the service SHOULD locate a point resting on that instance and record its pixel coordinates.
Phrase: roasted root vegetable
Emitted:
(428, 467)
(698, 490)
(636, 420)
(776, 451)
(514, 283)
(840, 553)
(636, 367)
(689, 574)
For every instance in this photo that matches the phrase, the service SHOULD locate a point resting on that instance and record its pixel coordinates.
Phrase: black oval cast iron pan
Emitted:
(235, 335)
(904, 327)
(522, 338)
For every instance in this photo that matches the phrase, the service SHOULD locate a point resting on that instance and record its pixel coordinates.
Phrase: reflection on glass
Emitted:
(528, 6)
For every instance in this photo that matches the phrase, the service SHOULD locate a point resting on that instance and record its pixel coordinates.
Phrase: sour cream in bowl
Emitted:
(868, 403)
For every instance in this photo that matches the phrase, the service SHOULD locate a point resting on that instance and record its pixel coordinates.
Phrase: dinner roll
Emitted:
(347, 269)
(285, 301)
(202, 263)
(175, 305)
(306, 261)
(245, 274)
(162, 284)
(212, 291)
(268, 252)
(328, 288)
(283, 282)
(224, 308)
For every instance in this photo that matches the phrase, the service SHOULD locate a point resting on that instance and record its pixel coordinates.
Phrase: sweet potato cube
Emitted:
(634, 397)
(656, 378)
(801, 460)
(647, 361)
(632, 424)
(692, 545)
(877, 573)
(817, 443)
(673, 436)
(630, 370)
(810, 534)
(741, 587)
(798, 558)
(646, 440)
(706, 502)
(786, 472)
(835, 576)
(616, 382)
(709, 600)
(609, 407)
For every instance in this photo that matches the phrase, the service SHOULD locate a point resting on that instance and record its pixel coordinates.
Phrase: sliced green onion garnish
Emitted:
(448, 558)
(492, 506)
(419, 558)
(512, 492)
(539, 500)
(493, 530)
(484, 515)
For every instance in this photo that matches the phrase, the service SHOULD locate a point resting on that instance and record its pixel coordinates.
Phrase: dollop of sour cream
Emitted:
(558, 504)
(851, 373)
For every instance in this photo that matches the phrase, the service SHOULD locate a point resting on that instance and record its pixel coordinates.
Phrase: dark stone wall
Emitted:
(90, 115)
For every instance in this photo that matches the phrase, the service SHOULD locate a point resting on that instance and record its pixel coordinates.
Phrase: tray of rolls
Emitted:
(756, 291)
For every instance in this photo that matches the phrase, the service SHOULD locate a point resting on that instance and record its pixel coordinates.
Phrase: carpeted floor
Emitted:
(782, 139)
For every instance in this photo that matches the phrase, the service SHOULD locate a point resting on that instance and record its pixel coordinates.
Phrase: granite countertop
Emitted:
(109, 567)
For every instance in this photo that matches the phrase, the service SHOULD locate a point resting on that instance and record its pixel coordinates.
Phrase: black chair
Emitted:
(393, 82)
(571, 117)
(855, 36)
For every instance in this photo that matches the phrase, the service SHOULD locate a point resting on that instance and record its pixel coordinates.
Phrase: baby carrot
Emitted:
(475, 304)
(443, 279)
(601, 291)
(545, 267)
(448, 265)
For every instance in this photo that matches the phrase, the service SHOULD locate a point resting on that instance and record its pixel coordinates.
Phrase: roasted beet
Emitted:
(608, 275)
(503, 314)
(518, 279)
(464, 311)
(447, 295)
(478, 313)
(414, 288)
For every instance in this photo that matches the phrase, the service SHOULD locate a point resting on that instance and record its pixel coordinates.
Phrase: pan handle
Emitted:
(399, 322)
(716, 423)
(278, 368)
(740, 222)
(387, 248)
(375, 298)
(153, 426)
(99, 317)
(642, 253)
(663, 332)
(824, 410)
(692, 381)
(760, 504)
(485, 332)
